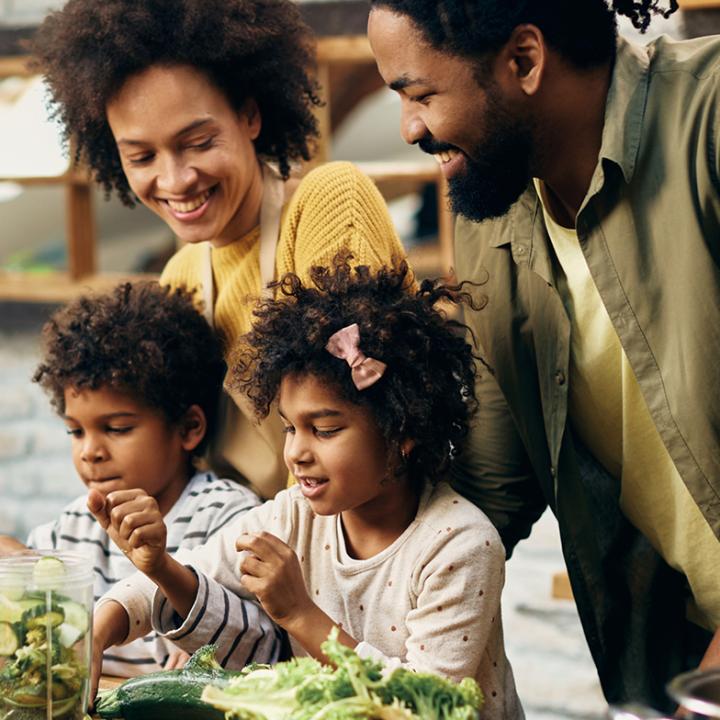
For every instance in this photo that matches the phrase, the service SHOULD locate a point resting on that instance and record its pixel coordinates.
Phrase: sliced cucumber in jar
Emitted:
(76, 615)
(40, 616)
(48, 573)
(10, 611)
(9, 641)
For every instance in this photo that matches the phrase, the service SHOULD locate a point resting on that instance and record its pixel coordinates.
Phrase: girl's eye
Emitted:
(75, 432)
(326, 433)
(288, 429)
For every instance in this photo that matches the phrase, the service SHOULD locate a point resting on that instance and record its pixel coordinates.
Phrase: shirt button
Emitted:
(560, 377)
(552, 471)
(521, 250)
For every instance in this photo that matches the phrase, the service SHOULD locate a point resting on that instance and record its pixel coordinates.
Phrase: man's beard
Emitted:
(498, 171)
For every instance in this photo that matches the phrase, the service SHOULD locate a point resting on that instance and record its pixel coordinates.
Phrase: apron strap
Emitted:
(270, 214)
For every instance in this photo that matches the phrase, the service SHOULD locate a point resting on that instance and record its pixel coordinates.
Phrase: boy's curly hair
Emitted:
(427, 391)
(142, 339)
(257, 49)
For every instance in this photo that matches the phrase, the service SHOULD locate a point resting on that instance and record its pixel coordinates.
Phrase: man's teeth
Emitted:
(194, 204)
(445, 156)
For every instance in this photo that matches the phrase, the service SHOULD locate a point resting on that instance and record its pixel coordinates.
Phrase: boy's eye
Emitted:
(288, 429)
(75, 432)
(119, 430)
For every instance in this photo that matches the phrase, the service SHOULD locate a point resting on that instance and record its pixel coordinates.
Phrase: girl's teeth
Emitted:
(186, 207)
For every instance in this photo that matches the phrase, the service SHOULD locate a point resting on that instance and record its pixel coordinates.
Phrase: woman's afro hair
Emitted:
(257, 49)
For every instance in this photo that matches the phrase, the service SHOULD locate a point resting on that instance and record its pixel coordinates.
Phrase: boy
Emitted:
(136, 375)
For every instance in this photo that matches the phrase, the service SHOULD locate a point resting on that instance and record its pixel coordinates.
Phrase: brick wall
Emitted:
(36, 474)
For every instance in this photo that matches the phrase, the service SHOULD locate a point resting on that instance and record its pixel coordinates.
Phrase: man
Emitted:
(586, 174)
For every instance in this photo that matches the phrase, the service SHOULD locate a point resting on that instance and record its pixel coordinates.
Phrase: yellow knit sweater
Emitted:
(334, 207)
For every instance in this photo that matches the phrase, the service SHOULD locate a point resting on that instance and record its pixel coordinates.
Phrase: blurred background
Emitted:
(59, 235)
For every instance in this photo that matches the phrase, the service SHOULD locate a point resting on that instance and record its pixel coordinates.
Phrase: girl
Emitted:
(375, 391)
(181, 106)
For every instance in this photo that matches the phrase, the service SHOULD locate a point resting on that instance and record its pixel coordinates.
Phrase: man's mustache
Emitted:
(432, 147)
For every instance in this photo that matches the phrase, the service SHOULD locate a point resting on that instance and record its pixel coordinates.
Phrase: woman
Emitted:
(179, 104)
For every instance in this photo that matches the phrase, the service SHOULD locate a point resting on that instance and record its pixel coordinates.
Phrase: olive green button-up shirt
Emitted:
(649, 228)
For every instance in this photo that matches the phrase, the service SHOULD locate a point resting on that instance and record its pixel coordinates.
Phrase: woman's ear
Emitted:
(193, 426)
(251, 110)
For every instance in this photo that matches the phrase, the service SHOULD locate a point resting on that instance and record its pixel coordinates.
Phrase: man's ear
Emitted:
(524, 59)
(193, 426)
(407, 446)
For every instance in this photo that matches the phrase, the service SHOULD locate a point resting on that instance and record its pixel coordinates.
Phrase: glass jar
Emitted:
(46, 600)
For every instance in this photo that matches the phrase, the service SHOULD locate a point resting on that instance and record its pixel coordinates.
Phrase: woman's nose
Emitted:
(176, 177)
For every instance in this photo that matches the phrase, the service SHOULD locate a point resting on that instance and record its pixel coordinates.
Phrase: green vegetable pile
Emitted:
(40, 671)
(304, 689)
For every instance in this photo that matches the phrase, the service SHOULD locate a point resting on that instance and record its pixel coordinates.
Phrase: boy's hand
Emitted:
(10, 545)
(134, 523)
(110, 627)
(271, 572)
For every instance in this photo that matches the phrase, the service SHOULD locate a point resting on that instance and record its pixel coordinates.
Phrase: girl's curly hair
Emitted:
(141, 339)
(427, 391)
(257, 49)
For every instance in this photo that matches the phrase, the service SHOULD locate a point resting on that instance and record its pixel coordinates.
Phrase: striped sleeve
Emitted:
(240, 629)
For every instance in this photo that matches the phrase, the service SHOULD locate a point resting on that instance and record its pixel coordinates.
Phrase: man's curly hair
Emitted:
(257, 49)
(143, 340)
(427, 391)
(583, 31)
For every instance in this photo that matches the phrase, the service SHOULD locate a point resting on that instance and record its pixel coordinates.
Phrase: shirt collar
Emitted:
(622, 129)
(625, 107)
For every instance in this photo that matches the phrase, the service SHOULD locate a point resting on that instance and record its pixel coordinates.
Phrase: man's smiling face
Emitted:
(482, 144)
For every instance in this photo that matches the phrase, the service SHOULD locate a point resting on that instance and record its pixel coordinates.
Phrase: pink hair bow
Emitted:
(344, 345)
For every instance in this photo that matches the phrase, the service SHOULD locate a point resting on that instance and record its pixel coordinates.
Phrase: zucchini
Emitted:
(170, 693)
(9, 641)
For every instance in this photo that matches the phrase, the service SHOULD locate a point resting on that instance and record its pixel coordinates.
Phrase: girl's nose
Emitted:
(297, 451)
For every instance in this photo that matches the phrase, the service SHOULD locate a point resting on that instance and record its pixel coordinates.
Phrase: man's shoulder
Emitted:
(698, 58)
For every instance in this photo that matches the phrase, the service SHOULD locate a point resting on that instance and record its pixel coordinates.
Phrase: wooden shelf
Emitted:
(699, 4)
(58, 287)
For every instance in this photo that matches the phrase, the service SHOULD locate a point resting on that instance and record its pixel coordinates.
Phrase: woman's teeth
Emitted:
(194, 204)
(446, 156)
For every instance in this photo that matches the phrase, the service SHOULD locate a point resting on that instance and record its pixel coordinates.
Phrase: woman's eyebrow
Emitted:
(194, 125)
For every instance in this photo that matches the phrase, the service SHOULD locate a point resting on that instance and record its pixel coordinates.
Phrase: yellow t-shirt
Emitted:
(334, 207)
(609, 413)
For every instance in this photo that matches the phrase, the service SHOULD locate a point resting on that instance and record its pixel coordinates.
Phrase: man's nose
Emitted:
(412, 128)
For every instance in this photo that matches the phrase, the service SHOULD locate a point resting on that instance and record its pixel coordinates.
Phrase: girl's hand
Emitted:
(176, 659)
(271, 572)
(134, 523)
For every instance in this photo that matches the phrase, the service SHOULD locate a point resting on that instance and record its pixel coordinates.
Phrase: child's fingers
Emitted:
(96, 505)
(152, 535)
(263, 544)
(252, 565)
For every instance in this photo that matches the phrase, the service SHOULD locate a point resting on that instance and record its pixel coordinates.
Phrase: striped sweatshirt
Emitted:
(206, 505)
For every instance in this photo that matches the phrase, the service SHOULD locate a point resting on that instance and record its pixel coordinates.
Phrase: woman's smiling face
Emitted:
(188, 155)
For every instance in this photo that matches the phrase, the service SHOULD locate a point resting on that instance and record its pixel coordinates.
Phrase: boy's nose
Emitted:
(93, 452)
